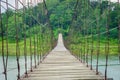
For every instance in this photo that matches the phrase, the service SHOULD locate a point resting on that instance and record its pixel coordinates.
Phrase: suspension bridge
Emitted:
(61, 64)
(45, 58)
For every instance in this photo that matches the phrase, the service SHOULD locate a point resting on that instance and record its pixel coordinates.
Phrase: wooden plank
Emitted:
(61, 65)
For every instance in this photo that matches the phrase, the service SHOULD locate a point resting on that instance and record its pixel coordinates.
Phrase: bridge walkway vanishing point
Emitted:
(60, 64)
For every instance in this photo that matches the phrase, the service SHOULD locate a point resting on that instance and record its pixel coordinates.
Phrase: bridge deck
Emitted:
(61, 65)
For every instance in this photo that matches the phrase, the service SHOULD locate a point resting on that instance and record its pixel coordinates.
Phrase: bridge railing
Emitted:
(89, 45)
(31, 37)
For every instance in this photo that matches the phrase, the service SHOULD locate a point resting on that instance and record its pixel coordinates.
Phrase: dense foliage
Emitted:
(61, 14)
(69, 17)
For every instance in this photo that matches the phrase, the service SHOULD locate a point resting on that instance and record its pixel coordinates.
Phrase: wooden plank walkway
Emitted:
(61, 65)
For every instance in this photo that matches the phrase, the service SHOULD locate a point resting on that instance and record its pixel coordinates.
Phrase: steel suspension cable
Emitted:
(101, 33)
(7, 3)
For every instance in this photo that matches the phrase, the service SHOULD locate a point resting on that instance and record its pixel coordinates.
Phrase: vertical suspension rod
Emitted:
(119, 33)
(34, 43)
(17, 41)
(24, 28)
(107, 38)
(2, 34)
(30, 46)
(98, 39)
(87, 39)
(7, 36)
(84, 32)
(92, 50)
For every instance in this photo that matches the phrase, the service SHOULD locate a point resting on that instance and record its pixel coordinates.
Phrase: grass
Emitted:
(12, 47)
(113, 47)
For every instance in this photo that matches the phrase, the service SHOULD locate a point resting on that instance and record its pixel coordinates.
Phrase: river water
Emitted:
(12, 67)
(113, 69)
